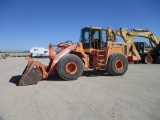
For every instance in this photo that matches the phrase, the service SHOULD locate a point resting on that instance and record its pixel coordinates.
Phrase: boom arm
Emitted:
(146, 34)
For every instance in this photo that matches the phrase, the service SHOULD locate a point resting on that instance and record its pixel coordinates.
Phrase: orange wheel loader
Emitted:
(94, 51)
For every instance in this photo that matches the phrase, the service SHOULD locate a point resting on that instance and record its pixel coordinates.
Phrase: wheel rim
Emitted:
(119, 65)
(71, 68)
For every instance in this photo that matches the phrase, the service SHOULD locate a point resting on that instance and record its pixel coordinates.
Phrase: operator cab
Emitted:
(141, 46)
(93, 37)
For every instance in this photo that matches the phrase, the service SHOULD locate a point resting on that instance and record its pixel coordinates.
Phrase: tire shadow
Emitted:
(95, 73)
(15, 79)
(88, 73)
(55, 77)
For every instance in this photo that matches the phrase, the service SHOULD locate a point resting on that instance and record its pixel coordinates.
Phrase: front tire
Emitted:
(117, 64)
(70, 67)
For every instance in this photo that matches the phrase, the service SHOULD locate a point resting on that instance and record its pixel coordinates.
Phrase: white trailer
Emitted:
(39, 52)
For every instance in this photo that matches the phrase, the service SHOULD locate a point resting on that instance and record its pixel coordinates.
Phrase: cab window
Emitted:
(104, 36)
(84, 37)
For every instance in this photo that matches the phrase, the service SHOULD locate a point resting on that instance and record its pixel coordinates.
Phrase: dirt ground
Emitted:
(94, 96)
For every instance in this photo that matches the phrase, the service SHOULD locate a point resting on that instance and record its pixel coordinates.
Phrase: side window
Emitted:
(96, 35)
(86, 37)
(104, 36)
(35, 49)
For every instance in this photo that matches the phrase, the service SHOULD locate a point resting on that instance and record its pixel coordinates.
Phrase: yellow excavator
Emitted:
(138, 48)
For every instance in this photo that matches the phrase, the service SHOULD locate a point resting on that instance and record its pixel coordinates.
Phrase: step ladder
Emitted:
(101, 60)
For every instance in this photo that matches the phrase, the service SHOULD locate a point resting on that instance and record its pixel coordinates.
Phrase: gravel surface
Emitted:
(94, 96)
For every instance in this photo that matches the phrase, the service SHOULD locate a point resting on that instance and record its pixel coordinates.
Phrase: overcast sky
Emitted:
(28, 23)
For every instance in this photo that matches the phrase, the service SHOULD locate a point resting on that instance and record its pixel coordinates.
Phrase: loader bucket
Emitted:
(31, 74)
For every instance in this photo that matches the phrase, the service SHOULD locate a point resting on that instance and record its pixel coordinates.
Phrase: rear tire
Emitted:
(70, 67)
(117, 64)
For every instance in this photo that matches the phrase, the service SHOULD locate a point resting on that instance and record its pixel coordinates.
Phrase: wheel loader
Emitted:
(93, 51)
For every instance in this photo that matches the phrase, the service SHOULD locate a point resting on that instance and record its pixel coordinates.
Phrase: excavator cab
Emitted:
(141, 46)
(93, 37)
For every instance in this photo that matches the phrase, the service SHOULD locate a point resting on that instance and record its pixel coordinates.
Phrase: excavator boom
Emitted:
(146, 34)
